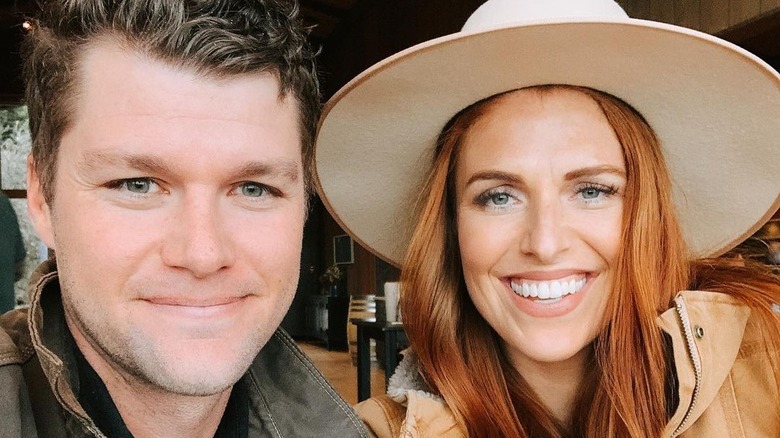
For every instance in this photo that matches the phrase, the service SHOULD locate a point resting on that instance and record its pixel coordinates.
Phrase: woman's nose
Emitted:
(545, 235)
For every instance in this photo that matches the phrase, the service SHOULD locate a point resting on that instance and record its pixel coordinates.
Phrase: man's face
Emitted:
(177, 219)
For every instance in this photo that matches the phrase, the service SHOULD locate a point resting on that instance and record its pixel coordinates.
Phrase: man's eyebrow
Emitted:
(95, 160)
(154, 165)
(289, 170)
(595, 170)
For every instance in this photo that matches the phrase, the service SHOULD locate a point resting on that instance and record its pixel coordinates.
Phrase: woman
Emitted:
(549, 287)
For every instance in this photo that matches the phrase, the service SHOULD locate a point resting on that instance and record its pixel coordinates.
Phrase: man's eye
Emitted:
(253, 190)
(140, 185)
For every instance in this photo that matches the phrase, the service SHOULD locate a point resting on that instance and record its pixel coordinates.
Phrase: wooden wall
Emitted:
(361, 275)
(384, 27)
(711, 16)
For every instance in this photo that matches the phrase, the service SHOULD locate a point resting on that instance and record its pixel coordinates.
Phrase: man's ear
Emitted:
(37, 207)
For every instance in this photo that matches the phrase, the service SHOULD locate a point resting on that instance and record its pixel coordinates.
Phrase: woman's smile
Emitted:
(550, 291)
(539, 192)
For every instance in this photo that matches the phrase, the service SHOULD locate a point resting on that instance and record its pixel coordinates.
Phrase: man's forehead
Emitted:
(115, 76)
(187, 65)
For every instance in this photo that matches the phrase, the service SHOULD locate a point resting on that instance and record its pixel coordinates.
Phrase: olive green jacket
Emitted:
(726, 387)
(288, 397)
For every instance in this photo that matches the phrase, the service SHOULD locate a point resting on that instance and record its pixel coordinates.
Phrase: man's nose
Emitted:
(198, 239)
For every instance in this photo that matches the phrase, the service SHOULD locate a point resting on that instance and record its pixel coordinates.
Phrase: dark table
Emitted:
(394, 337)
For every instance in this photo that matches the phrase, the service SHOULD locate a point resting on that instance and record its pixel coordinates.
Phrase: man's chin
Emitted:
(200, 370)
(197, 381)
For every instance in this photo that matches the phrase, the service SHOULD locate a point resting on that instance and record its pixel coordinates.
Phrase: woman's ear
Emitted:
(37, 207)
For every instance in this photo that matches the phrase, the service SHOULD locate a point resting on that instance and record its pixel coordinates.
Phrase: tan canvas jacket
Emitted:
(726, 385)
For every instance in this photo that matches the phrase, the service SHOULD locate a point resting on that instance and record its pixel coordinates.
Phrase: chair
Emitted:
(360, 306)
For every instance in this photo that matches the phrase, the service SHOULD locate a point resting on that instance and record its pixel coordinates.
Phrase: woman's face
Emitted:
(539, 191)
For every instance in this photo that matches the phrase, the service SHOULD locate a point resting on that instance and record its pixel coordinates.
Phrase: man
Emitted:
(169, 173)
(12, 254)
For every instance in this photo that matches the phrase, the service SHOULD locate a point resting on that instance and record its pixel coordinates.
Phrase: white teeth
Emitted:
(550, 291)
(544, 291)
(556, 289)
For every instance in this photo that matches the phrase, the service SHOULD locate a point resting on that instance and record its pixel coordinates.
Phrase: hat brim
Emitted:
(713, 105)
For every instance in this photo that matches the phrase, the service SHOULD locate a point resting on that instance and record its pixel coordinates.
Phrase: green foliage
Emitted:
(10, 121)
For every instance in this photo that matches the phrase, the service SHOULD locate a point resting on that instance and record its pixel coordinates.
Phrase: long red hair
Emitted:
(624, 395)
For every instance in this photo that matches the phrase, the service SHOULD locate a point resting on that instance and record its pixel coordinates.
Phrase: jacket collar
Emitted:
(707, 330)
(288, 395)
(407, 380)
(54, 344)
(426, 412)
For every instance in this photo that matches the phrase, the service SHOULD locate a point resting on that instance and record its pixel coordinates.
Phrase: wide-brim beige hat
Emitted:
(714, 106)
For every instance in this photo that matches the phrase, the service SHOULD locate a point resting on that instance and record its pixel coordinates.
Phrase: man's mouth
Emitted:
(189, 302)
(550, 291)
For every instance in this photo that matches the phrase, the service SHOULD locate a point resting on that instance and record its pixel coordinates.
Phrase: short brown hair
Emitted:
(211, 37)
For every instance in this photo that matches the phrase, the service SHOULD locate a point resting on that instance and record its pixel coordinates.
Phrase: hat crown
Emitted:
(499, 13)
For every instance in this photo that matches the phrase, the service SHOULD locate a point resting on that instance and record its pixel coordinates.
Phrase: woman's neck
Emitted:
(556, 384)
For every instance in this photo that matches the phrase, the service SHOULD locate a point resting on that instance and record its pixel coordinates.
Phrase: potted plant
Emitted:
(329, 280)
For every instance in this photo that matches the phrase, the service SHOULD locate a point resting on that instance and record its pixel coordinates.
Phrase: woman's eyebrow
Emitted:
(495, 175)
(595, 170)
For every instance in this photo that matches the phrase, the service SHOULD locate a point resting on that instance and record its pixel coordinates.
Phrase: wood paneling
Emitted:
(661, 10)
(769, 5)
(711, 16)
(714, 15)
(743, 10)
(636, 9)
(361, 275)
(688, 13)
(384, 28)
(15, 194)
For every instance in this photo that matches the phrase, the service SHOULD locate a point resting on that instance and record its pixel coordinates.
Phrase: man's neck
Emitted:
(154, 413)
(148, 411)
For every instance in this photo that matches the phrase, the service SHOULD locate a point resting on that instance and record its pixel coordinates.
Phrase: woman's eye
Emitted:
(594, 193)
(591, 193)
(499, 198)
(253, 190)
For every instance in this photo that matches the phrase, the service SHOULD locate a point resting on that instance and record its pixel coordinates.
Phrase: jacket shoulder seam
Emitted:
(290, 346)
